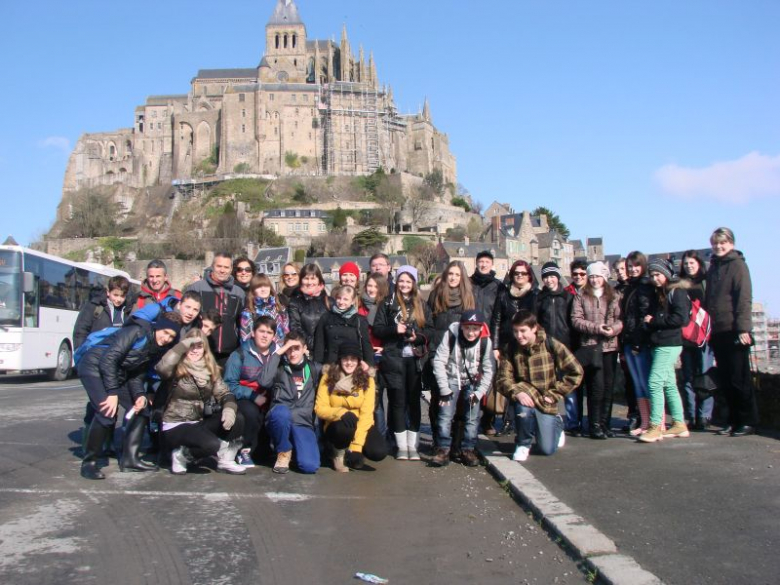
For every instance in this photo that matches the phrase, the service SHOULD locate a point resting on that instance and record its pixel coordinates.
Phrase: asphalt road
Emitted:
(698, 511)
(402, 521)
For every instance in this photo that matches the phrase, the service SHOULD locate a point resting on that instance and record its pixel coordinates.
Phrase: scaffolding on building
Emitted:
(352, 118)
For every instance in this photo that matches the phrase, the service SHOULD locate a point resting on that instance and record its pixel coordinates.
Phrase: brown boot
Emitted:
(441, 458)
(338, 461)
(469, 458)
(653, 434)
(678, 429)
(282, 464)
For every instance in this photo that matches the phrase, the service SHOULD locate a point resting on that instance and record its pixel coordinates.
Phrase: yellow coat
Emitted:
(331, 407)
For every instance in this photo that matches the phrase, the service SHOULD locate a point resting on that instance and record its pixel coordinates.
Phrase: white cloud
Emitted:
(734, 181)
(57, 142)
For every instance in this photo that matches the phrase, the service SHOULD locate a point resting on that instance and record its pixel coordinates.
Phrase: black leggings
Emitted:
(340, 436)
(599, 382)
(203, 437)
(405, 399)
(253, 422)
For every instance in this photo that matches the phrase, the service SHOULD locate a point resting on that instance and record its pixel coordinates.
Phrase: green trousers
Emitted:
(662, 384)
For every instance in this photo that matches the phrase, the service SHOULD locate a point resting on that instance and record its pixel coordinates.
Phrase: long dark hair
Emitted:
(700, 273)
(335, 373)
(511, 274)
(440, 293)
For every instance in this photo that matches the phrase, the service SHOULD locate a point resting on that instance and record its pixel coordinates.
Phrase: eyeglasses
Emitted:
(289, 274)
(579, 274)
(520, 273)
(244, 269)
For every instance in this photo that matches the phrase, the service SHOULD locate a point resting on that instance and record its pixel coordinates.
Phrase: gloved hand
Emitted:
(350, 421)
(228, 418)
(188, 342)
(354, 460)
(445, 400)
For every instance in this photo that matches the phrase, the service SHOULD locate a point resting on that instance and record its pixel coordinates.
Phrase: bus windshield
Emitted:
(10, 289)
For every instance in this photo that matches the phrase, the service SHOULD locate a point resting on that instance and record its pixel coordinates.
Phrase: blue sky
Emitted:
(646, 123)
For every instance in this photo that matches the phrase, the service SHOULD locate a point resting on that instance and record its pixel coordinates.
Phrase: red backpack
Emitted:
(699, 327)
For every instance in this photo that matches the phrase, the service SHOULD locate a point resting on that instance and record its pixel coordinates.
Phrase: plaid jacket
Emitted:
(533, 370)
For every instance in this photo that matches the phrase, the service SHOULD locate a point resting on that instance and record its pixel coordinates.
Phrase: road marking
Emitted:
(273, 496)
(24, 387)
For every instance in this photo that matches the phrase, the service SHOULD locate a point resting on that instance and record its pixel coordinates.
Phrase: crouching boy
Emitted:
(535, 374)
(290, 420)
(464, 367)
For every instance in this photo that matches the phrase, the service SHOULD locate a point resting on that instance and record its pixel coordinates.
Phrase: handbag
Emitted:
(495, 402)
(705, 384)
(590, 356)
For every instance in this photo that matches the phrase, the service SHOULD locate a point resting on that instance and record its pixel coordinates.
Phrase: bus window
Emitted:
(55, 287)
(31, 306)
(10, 299)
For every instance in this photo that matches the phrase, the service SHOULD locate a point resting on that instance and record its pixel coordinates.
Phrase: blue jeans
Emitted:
(573, 404)
(530, 423)
(286, 436)
(696, 361)
(639, 367)
(471, 414)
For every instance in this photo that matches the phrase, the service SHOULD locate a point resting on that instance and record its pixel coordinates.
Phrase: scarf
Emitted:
(598, 292)
(199, 372)
(453, 297)
(482, 280)
(344, 313)
(519, 292)
(266, 307)
(372, 307)
(344, 387)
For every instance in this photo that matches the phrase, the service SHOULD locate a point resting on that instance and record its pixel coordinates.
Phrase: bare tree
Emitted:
(391, 197)
(419, 204)
(92, 216)
(425, 256)
(330, 245)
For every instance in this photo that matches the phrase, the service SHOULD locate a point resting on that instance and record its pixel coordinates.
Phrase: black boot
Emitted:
(131, 445)
(596, 432)
(508, 427)
(93, 445)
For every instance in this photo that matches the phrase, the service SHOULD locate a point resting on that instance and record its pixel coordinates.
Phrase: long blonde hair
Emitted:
(208, 358)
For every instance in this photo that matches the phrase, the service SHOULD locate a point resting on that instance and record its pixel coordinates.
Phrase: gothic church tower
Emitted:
(285, 46)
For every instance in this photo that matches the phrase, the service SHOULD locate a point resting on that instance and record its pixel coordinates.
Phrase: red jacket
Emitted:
(147, 295)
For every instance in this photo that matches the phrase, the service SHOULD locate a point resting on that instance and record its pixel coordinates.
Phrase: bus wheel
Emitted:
(64, 361)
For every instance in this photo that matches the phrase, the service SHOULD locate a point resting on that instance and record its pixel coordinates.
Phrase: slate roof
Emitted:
(577, 245)
(453, 249)
(227, 73)
(286, 12)
(272, 255)
(546, 240)
(595, 242)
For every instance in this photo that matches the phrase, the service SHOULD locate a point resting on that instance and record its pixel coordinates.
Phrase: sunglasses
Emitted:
(244, 269)
(520, 273)
(580, 274)
(289, 274)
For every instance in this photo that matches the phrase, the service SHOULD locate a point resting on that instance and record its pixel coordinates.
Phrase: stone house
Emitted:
(466, 252)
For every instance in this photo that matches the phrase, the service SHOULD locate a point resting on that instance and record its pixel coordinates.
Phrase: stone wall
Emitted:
(180, 272)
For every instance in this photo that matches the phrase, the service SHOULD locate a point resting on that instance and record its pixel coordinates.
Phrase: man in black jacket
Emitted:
(219, 291)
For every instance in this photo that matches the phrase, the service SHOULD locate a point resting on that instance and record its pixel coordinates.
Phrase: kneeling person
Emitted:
(464, 369)
(345, 402)
(536, 373)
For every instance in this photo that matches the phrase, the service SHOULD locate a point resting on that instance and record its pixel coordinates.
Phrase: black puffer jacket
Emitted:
(553, 310)
(125, 360)
(668, 321)
(729, 295)
(227, 298)
(441, 323)
(386, 328)
(486, 288)
(333, 330)
(637, 302)
(305, 312)
(95, 316)
(507, 305)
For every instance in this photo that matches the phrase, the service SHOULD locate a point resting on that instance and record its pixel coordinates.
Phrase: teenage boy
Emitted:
(243, 374)
(464, 367)
(535, 374)
(290, 420)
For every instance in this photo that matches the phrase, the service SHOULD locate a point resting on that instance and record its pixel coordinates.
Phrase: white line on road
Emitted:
(273, 496)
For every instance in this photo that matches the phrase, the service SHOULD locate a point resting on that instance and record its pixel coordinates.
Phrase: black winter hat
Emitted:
(551, 269)
(663, 266)
(350, 350)
(485, 254)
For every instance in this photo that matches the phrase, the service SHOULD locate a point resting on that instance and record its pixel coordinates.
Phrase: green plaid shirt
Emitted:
(533, 370)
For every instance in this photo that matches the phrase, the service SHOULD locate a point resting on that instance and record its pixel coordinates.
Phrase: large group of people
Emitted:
(236, 370)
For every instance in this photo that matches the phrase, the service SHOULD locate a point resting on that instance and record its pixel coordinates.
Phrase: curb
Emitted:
(598, 552)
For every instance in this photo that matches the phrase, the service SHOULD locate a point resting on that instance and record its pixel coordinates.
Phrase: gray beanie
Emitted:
(662, 266)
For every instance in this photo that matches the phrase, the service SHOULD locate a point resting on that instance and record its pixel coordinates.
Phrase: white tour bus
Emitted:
(40, 298)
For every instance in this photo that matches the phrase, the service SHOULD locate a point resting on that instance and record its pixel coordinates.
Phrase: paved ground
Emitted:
(403, 521)
(692, 511)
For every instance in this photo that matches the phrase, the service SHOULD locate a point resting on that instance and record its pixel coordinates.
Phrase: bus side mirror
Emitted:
(28, 282)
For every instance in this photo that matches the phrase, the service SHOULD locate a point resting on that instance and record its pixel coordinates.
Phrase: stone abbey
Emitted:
(310, 107)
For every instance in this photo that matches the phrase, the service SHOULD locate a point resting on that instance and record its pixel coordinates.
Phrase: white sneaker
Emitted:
(179, 459)
(561, 440)
(521, 454)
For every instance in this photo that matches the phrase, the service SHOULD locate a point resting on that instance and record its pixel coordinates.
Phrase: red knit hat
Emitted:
(350, 268)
